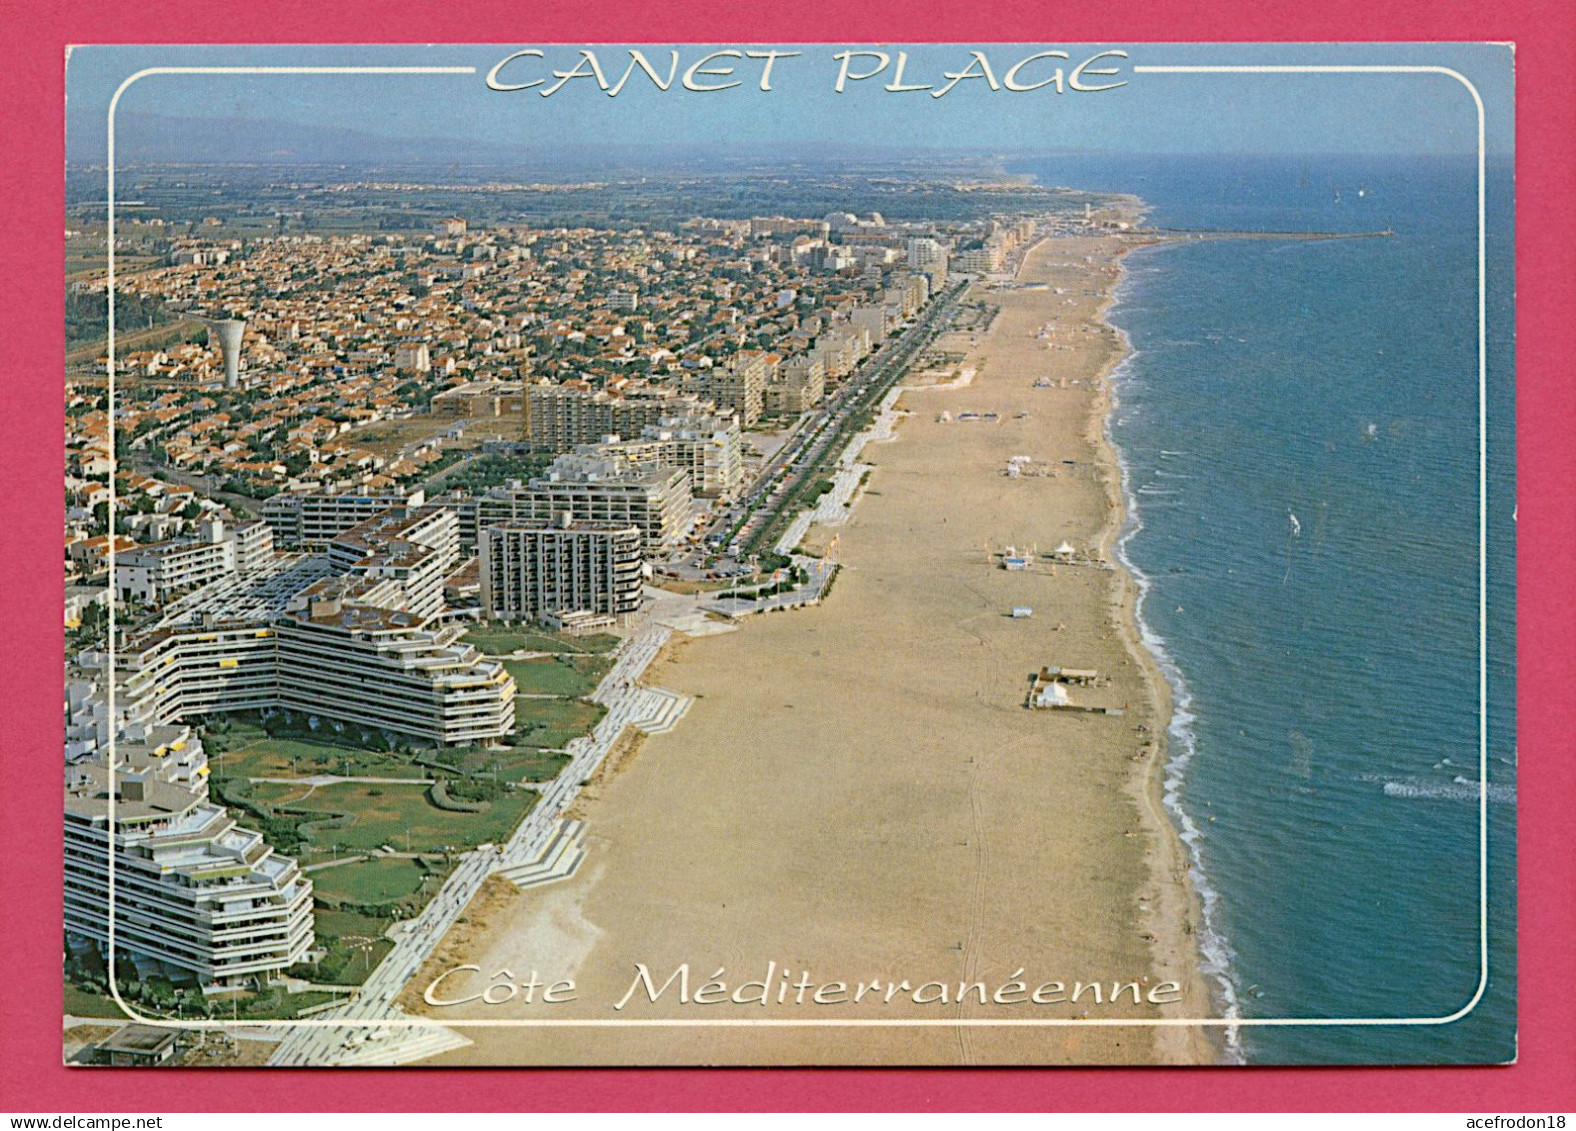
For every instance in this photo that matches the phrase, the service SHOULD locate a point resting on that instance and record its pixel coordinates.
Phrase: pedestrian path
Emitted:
(559, 860)
(377, 1031)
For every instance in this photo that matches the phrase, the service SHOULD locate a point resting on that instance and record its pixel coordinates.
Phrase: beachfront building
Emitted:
(985, 259)
(383, 668)
(710, 448)
(907, 294)
(529, 570)
(593, 488)
(799, 386)
(195, 893)
(738, 385)
(310, 520)
(876, 319)
(560, 418)
(842, 348)
(415, 548)
(344, 651)
(353, 635)
(928, 256)
(157, 572)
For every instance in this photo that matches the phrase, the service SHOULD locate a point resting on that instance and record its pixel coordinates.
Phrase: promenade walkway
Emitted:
(545, 847)
(377, 1031)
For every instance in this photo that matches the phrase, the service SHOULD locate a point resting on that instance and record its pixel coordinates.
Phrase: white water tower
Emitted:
(228, 332)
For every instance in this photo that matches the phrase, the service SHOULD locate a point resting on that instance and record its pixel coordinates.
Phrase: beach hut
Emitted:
(1021, 611)
(1063, 553)
(1048, 696)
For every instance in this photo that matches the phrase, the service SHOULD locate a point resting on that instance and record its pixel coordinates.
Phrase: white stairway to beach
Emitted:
(558, 861)
(657, 710)
(542, 849)
(402, 1045)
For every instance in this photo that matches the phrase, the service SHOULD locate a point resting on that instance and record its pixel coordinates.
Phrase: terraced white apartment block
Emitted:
(194, 891)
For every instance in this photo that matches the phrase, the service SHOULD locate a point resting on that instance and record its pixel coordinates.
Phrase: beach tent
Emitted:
(1051, 694)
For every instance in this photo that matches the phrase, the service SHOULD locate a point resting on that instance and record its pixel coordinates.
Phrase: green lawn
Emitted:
(349, 925)
(347, 963)
(512, 763)
(529, 763)
(81, 1003)
(357, 817)
(495, 640)
(355, 943)
(401, 817)
(555, 677)
(551, 723)
(381, 880)
(264, 757)
(275, 793)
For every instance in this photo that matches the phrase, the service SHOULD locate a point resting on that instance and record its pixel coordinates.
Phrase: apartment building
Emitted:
(480, 398)
(929, 257)
(984, 260)
(414, 548)
(738, 385)
(194, 892)
(838, 351)
(800, 385)
(710, 448)
(875, 319)
(254, 545)
(561, 418)
(336, 658)
(907, 294)
(384, 668)
(185, 671)
(310, 520)
(343, 648)
(529, 570)
(157, 572)
(412, 356)
(655, 500)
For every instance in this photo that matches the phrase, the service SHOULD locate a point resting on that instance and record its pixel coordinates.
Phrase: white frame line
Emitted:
(1219, 1022)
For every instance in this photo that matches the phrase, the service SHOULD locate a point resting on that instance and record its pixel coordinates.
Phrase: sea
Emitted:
(1299, 428)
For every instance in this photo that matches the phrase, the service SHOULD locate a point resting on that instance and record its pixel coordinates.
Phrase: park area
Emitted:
(377, 823)
(565, 677)
(500, 640)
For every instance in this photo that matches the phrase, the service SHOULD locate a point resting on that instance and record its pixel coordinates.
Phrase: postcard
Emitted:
(789, 554)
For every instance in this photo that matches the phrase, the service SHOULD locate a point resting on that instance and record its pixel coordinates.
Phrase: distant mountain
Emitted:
(162, 139)
(166, 139)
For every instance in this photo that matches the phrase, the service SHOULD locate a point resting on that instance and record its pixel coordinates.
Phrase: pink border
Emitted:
(32, 79)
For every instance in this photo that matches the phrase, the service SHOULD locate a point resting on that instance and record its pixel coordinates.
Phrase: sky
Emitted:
(1151, 113)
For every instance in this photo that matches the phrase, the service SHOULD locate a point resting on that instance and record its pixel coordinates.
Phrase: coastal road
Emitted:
(809, 459)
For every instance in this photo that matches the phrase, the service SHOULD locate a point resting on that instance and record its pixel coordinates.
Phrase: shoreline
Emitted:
(1163, 776)
(1166, 918)
(1181, 906)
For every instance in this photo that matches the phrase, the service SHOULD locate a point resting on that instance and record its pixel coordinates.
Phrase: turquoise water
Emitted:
(1299, 423)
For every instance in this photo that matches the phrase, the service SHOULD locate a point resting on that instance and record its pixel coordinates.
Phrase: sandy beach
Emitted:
(859, 792)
